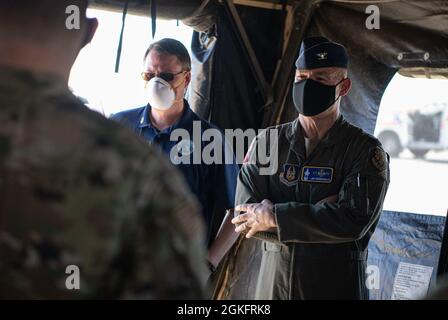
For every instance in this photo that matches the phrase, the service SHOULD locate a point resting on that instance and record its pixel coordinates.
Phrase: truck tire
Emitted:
(419, 153)
(391, 143)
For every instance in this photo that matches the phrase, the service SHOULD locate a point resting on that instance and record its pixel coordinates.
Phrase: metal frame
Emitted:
(274, 95)
(302, 14)
(237, 24)
(272, 5)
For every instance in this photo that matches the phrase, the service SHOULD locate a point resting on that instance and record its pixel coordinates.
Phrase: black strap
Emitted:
(120, 42)
(152, 5)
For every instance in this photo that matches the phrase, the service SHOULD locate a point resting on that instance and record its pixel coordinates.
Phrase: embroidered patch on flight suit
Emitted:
(317, 174)
(290, 174)
(379, 159)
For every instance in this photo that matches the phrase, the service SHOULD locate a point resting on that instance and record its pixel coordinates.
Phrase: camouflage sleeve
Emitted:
(170, 245)
(358, 208)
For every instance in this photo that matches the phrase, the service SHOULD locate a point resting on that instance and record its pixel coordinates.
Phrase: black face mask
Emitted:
(312, 97)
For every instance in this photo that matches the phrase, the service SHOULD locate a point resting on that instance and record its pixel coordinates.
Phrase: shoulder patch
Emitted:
(290, 174)
(378, 158)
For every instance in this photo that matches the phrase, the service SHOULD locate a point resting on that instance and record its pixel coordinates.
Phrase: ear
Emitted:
(92, 25)
(187, 78)
(345, 87)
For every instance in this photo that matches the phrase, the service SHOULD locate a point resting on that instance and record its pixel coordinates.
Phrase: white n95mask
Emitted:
(160, 94)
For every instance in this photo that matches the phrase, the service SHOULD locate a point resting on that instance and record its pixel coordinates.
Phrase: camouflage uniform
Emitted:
(77, 189)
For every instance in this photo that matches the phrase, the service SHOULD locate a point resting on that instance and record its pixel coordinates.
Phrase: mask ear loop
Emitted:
(335, 89)
(174, 89)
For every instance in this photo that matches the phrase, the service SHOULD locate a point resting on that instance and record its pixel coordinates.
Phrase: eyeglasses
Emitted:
(167, 76)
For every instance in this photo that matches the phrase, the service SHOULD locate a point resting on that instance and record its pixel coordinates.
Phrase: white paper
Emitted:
(411, 281)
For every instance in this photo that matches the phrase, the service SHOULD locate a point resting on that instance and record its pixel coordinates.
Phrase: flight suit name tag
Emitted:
(317, 174)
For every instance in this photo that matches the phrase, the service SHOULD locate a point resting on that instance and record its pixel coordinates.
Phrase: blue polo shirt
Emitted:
(213, 184)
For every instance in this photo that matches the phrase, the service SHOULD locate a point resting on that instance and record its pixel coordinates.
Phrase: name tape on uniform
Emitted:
(317, 174)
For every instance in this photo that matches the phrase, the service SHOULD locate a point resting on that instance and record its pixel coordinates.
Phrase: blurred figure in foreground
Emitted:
(86, 209)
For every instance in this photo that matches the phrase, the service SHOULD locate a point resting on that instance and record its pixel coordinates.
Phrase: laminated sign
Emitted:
(411, 281)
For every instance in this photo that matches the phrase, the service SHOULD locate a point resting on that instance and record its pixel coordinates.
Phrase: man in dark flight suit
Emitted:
(315, 216)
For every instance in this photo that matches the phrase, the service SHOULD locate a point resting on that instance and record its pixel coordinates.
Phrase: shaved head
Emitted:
(44, 36)
(38, 20)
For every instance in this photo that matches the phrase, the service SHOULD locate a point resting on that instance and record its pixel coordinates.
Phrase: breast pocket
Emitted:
(317, 190)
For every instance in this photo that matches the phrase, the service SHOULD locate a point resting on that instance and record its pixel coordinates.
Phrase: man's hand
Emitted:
(258, 217)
